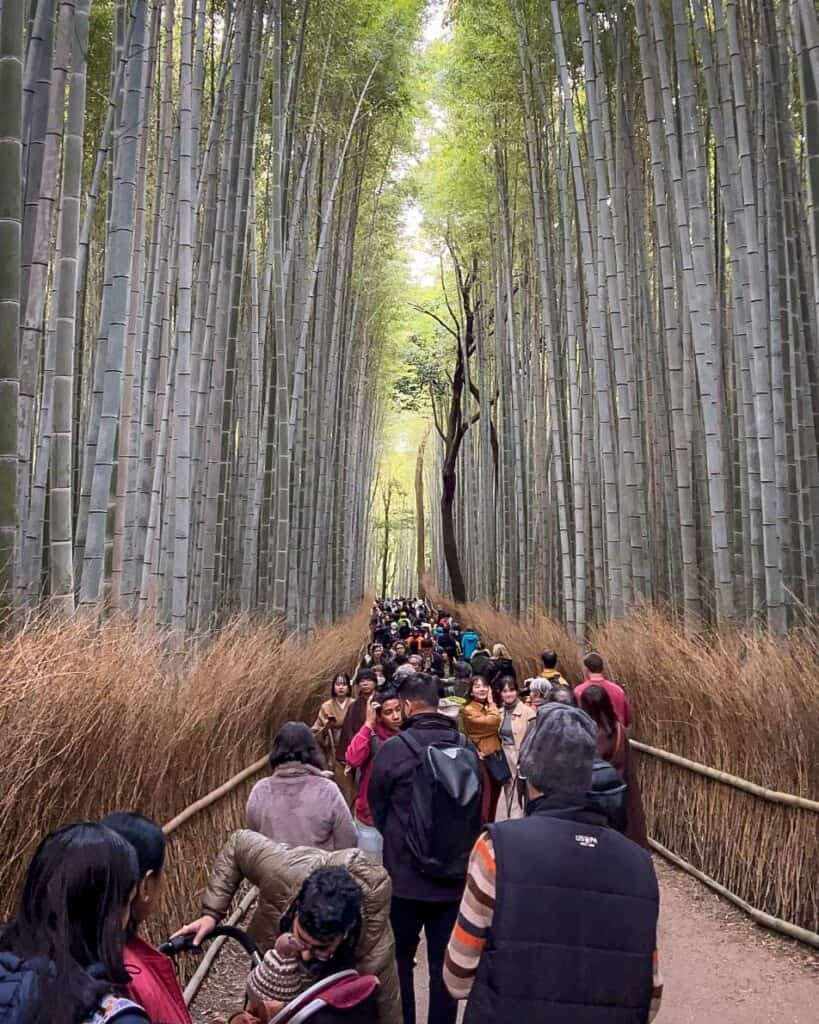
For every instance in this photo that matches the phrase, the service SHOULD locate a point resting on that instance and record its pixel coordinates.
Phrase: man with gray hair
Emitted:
(567, 906)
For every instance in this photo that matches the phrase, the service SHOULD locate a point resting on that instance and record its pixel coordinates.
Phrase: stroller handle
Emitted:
(184, 943)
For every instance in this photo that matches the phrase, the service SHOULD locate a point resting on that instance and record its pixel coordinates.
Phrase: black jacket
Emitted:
(20, 982)
(575, 923)
(390, 796)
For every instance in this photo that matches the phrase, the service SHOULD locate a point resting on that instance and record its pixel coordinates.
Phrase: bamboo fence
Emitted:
(727, 735)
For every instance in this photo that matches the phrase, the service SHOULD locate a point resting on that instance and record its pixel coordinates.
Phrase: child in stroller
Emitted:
(309, 973)
(319, 934)
(279, 872)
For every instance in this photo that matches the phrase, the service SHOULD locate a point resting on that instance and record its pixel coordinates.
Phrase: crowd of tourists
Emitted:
(436, 793)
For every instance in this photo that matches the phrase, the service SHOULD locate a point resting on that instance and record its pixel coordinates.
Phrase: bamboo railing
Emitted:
(772, 795)
(215, 795)
(762, 918)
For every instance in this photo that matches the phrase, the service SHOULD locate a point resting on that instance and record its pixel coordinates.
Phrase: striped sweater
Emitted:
(474, 921)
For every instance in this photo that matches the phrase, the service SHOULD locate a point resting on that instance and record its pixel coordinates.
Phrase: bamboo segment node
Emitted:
(774, 796)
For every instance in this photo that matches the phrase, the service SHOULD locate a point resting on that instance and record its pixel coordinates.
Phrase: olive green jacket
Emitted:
(278, 872)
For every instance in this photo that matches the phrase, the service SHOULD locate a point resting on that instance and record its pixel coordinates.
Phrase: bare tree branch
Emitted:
(428, 312)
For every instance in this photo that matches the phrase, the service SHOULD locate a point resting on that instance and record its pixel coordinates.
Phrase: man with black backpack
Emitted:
(425, 798)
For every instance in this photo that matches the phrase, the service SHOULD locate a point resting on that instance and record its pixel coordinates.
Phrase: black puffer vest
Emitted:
(575, 923)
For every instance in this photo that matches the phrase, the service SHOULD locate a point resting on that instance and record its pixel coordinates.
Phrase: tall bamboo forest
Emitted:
(303, 299)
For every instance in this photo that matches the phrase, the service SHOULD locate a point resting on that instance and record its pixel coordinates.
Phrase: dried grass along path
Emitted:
(718, 967)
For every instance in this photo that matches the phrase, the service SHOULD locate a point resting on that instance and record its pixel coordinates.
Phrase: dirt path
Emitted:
(718, 967)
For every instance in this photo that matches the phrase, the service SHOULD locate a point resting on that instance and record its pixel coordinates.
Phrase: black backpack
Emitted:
(608, 793)
(445, 812)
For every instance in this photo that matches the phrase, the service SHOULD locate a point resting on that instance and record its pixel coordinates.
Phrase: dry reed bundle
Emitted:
(95, 719)
(739, 701)
(743, 702)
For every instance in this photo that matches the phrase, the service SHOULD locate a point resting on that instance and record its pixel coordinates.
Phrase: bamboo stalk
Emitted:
(215, 795)
(214, 950)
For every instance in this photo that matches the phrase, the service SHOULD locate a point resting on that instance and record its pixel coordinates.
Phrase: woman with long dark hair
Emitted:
(481, 721)
(299, 803)
(613, 746)
(327, 730)
(153, 981)
(62, 956)
(365, 684)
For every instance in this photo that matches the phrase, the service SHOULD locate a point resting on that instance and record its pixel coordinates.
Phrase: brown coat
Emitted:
(616, 750)
(278, 872)
(327, 727)
(513, 800)
(327, 730)
(481, 724)
(522, 716)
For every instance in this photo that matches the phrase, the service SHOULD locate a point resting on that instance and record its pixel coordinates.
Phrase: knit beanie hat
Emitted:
(277, 977)
(559, 750)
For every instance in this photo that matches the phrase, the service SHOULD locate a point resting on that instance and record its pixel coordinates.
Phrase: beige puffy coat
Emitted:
(278, 872)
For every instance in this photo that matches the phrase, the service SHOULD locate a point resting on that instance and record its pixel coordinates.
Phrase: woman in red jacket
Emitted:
(153, 979)
(382, 722)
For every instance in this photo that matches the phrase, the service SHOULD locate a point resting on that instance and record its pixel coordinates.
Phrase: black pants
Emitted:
(437, 920)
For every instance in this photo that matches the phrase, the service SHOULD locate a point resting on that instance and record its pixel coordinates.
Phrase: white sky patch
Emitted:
(434, 28)
(421, 258)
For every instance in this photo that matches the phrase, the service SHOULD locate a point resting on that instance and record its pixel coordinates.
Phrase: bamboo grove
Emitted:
(197, 215)
(627, 198)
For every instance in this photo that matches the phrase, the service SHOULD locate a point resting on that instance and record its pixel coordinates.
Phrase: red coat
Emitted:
(153, 984)
(617, 695)
(359, 755)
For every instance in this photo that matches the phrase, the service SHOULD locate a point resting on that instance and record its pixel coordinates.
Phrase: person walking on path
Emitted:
(482, 721)
(567, 906)
(299, 803)
(516, 720)
(593, 668)
(327, 730)
(480, 659)
(422, 900)
(550, 669)
(383, 722)
(613, 746)
(470, 642)
(539, 690)
(365, 682)
(153, 985)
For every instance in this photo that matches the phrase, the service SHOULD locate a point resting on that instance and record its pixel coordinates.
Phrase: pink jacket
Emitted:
(301, 806)
(359, 755)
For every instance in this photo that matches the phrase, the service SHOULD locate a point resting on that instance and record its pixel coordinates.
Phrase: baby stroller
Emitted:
(345, 997)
